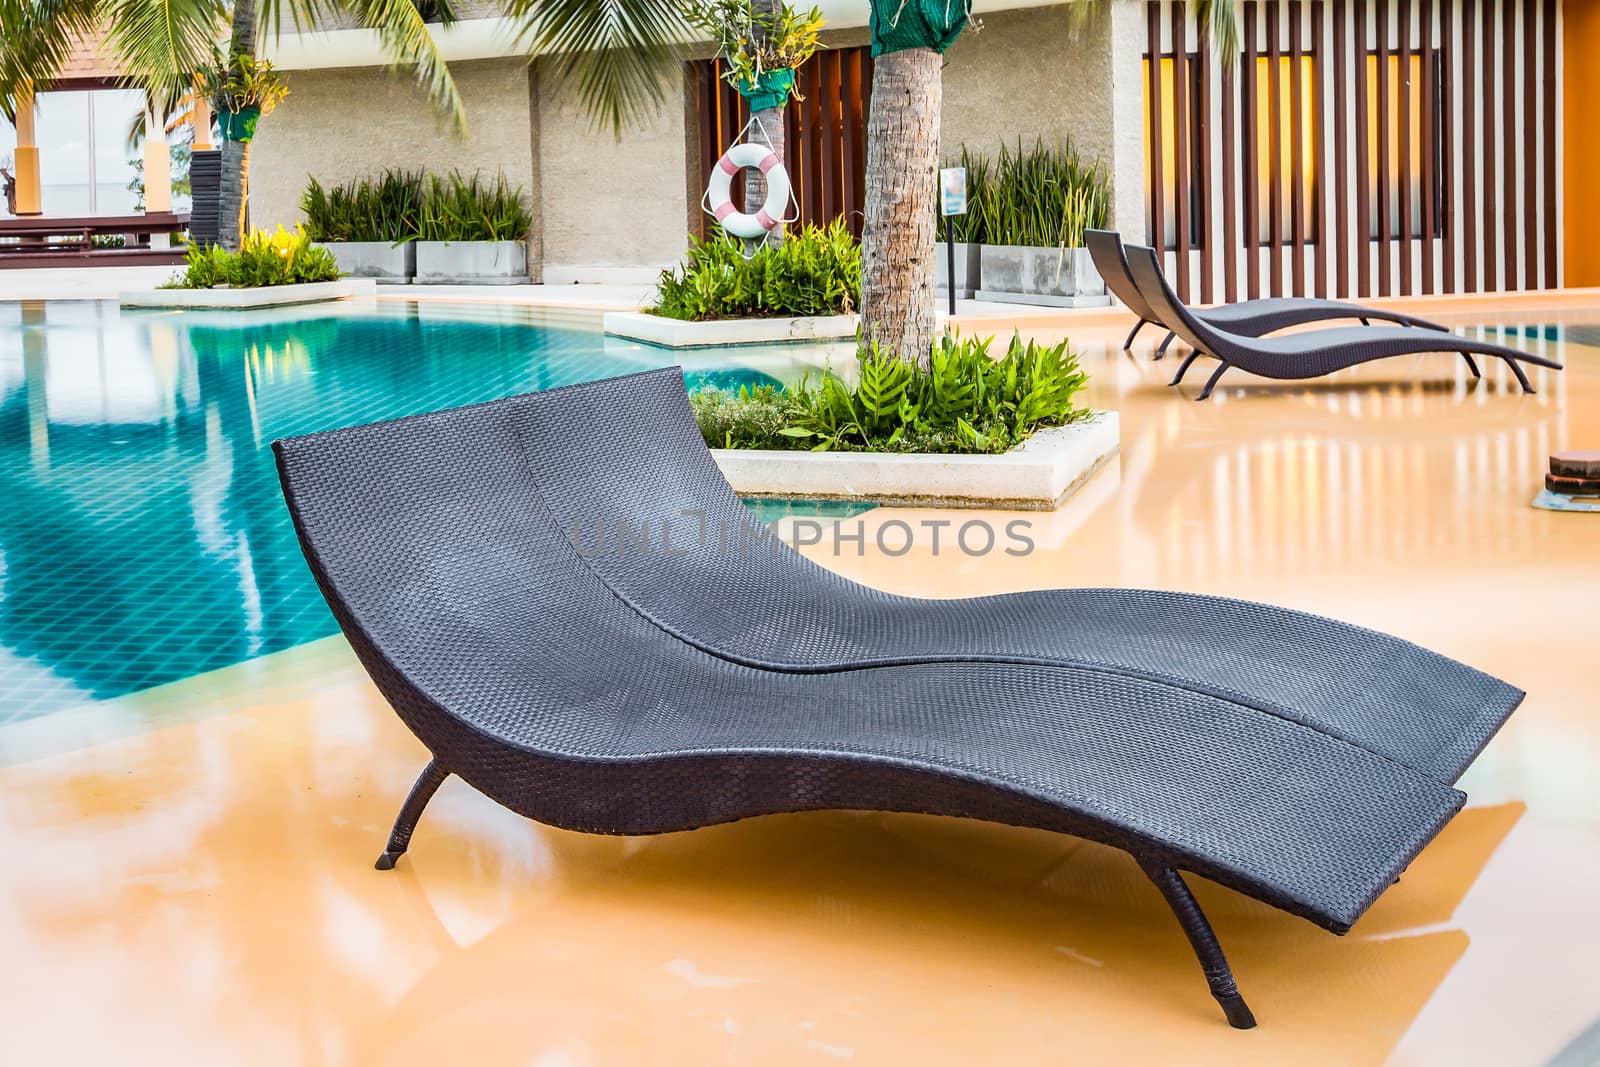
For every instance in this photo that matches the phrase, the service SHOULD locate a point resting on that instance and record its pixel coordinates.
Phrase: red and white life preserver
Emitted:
(720, 204)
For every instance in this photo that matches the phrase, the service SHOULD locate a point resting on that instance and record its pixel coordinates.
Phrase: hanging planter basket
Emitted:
(239, 125)
(901, 24)
(771, 89)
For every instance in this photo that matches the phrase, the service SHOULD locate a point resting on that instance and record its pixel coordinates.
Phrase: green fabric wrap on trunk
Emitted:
(901, 24)
(771, 89)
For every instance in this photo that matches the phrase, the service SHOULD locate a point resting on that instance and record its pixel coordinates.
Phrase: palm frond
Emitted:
(409, 43)
(1218, 20)
(613, 53)
(39, 36)
(162, 43)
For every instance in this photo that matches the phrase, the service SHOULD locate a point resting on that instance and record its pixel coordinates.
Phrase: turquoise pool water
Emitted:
(143, 538)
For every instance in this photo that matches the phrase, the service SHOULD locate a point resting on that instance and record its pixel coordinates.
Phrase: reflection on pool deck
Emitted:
(203, 891)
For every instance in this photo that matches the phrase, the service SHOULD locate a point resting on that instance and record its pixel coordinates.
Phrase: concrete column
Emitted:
(201, 121)
(1126, 162)
(157, 163)
(27, 159)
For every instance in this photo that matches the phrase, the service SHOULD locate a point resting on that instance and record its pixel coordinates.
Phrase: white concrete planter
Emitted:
(471, 262)
(1039, 475)
(675, 333)
(260, 297)
(1021, 274)
(390, 264)
(969, 269)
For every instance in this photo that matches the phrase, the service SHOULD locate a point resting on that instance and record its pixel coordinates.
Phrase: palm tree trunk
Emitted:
(233, 198)
(233, 195)
(897, 246)
(769, 121)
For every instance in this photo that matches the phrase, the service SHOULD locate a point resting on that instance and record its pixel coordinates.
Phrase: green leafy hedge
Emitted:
(964, 401)
(263, 259)
(815, 271)
(400, 206)
(1044, 197)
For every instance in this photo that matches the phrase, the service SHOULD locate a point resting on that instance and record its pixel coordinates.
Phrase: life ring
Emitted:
(720, 203)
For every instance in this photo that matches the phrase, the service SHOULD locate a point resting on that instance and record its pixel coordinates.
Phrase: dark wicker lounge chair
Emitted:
(563, 599)
(1309, 354)
(1249, 318)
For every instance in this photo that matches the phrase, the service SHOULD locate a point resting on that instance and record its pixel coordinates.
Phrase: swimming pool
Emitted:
(143, 538)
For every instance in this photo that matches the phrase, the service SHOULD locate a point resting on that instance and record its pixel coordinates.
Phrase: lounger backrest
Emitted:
(1171, 312)
(1105, 248)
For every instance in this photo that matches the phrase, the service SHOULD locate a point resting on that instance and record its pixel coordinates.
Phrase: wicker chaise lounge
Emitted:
(1249, 318)
(562, 598)
(1312, 353)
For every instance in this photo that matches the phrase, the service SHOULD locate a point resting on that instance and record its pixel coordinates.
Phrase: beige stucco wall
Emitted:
(609, 203)
(354, 121)
(1049, 72)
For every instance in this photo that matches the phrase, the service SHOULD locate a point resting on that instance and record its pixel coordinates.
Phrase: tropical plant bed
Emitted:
(965, 429)
(676, 333)
(1038, 475)
(249, 297)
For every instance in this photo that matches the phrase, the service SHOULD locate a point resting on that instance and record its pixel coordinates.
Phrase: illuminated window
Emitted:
(1169, 152)
(1289, 177)
(1407, 183)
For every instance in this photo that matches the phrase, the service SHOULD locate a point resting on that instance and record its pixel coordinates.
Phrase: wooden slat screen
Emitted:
(825, 134)
(1359, 147)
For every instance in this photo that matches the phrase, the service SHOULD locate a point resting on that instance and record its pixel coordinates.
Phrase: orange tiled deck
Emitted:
(187, 875)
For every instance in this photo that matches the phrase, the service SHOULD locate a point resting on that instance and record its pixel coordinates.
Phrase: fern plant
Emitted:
(965, 400)
(816, 271)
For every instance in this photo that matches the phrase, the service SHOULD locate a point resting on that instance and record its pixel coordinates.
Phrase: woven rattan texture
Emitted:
(574, 693)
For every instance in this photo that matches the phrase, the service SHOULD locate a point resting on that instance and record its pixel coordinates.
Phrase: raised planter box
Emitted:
(263, 296)
(1021, 274)
(471, 263)
(390, 264)
(969, 269)
(1037, 476)
(675, 333)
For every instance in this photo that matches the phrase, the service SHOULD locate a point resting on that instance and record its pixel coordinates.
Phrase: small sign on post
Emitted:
(952, 201)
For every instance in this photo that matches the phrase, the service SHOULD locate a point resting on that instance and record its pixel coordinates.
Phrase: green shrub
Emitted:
(815, 271)
(1043, 197)
(404, 205)
(964, 401)
(388, 208)
(280, 258)
(458, 208)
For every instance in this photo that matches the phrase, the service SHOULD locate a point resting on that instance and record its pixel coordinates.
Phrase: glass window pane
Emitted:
(114, 113)
(62, 127)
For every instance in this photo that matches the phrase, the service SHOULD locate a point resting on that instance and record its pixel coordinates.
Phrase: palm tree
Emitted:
(163, 45)
(617, 50)
(897, 240)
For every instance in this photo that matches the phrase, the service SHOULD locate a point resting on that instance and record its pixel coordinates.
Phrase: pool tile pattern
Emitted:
(143, 538)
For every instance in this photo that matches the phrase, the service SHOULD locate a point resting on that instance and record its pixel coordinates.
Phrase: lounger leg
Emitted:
(1187, 363)
(1141, 324)
(1472, 364)
(1166, 343)
(1516, 368)
(421, 792)
(1218, 974)
(1365, 321)
(1211, 382)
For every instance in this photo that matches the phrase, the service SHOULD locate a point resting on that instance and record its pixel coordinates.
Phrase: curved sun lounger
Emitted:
(564, 600)
(1309, 354)
(1249, 318)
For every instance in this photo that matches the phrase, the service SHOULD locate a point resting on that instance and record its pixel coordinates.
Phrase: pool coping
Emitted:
(248, 298)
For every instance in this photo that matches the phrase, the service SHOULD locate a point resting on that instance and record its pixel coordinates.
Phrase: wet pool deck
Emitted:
(187, 873)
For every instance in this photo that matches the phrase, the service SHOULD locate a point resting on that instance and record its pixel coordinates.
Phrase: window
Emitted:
(1290, 129)
(84, 159)
(1171, 180)
(1405, 172)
